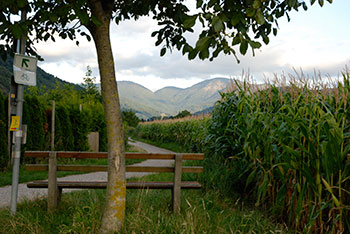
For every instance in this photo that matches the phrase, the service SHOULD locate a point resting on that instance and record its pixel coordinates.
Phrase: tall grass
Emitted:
(146, 212)
(287, 146)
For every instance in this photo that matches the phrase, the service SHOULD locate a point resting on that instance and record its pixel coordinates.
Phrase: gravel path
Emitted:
(25, 193)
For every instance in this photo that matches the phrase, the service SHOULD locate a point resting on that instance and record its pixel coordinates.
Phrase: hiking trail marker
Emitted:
(24, 69)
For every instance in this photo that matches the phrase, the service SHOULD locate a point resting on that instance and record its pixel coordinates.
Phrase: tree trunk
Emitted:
(114, 212)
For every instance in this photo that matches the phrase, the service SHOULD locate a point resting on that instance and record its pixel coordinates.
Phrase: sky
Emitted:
(314, 40)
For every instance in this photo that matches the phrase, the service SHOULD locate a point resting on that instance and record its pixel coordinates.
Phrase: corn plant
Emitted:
(190, 133)
(287, 147)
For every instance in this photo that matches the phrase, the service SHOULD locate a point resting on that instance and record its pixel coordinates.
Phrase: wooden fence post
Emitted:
(52, 193)
(177, 184)
(53, 125)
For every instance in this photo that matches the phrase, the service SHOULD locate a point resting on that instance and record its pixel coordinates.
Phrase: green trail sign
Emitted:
(24, 69)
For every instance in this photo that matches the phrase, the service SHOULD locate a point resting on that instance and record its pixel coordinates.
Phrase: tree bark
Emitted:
(114, 212)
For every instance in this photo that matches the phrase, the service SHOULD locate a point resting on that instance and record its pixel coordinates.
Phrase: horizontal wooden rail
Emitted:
(128, 155)
(95, 168)
(103, 185)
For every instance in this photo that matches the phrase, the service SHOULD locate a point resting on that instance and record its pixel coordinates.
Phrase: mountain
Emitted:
(166, 101)
(170, 100)
(42, 78)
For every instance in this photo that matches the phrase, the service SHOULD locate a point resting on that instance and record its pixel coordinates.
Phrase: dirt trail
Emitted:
(25, 193)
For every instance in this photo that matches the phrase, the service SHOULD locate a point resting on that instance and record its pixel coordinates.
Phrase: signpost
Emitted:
(24, 70)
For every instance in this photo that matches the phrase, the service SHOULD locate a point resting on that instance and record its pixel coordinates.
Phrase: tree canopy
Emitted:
(224, 24)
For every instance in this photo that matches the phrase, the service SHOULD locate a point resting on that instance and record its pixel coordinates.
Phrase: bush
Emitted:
(34, 117)
(64, 139)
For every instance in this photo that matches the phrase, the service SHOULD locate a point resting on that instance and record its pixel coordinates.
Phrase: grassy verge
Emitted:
(148, 211)
(26, 176)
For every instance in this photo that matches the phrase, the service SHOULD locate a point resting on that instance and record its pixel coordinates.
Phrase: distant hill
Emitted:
(43, 78)
(170, 100)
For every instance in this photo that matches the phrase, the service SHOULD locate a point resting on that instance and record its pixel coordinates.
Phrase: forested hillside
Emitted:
(44, 79)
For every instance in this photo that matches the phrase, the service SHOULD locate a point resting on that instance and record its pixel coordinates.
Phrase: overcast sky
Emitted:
(317, 39)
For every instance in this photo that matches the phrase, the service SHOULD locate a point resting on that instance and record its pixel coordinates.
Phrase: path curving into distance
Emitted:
(25, 193)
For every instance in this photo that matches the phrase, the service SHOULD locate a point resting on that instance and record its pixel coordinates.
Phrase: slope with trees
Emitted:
(44, 79)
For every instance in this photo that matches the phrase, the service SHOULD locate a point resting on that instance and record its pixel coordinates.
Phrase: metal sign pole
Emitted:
(18, 134)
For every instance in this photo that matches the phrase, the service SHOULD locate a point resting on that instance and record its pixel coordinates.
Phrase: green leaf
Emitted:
(154, 34)
(213, 2)
(162, 51)
(259, 17)
(251, 12)
(199, 3)
(255, 44)
(250, 178)
(190, 21)
(321, 2)
(218, 24)
(304, 6)
(202, 43)
(236, 40)
(329, 189)
(47, 35)
(203, 54)
(243, 47)
(274, 31)
(192, 54)
(236, 19)
(53, 18)
(312, 2)
(64, 36)
(83, 17)
(266, 40)
(158, 42)
(186, 48)
(256, 4)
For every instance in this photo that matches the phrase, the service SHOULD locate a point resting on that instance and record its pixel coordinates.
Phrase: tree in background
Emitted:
(91, 92)
(129, 117)
(223, 24)
(182, 114)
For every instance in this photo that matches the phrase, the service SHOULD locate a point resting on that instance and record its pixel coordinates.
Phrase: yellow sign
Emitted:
(15, 121)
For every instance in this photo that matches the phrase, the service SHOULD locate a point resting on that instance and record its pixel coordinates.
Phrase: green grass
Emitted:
(26, 176)
(148, 211)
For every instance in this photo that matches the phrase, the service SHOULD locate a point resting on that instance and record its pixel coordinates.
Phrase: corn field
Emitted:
(285, 146)
(188, 132)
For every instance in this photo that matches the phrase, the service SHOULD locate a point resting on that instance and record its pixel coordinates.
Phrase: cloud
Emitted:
(305, 43)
